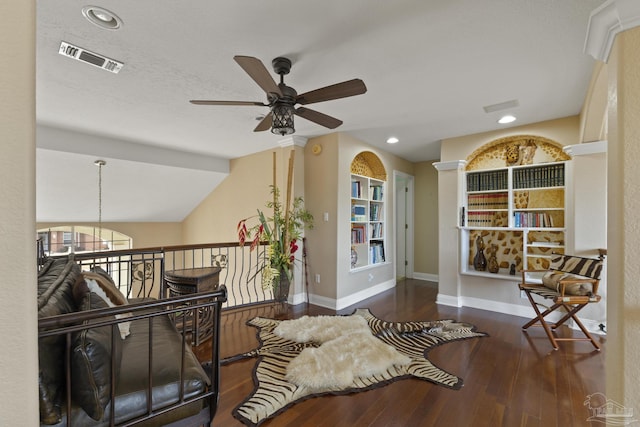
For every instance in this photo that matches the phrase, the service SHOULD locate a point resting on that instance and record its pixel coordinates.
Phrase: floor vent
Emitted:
(92, 58)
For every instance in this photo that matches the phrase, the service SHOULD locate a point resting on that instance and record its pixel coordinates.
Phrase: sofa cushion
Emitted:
(56, 279)
(552, 281)
(91, 363)
(131, 394)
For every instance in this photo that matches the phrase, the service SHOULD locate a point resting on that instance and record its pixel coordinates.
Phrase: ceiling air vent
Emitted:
(92, 58)
(501, 106)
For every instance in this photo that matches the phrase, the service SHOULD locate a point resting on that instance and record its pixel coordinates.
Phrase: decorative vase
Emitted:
(281, 287)
(479, 261)
(492, 264)
(354, 257)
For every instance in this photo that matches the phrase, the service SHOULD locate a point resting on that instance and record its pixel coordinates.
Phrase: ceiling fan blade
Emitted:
(265, 124)
(319, 118)
(258, 72)
(336, 91)
(202, 102)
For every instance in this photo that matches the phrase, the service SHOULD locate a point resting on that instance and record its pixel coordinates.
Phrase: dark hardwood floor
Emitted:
(510, 378)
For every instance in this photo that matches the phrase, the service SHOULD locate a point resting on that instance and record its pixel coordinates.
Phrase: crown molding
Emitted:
(299, 141)
(450, 165)
(586, 148)
(605, 22)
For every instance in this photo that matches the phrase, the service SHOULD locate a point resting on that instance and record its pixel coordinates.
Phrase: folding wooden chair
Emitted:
(571, 282)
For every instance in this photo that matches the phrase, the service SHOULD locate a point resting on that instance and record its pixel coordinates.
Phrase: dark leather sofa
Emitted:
(151, 377)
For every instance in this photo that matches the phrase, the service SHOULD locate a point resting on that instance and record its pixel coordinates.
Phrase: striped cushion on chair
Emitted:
(587, 267)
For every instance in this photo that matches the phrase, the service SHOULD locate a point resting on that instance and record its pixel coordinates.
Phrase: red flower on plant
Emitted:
(242, 231)
(256, 239)
(293, 247)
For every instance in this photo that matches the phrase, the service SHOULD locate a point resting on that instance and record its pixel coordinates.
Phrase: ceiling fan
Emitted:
(281, 99)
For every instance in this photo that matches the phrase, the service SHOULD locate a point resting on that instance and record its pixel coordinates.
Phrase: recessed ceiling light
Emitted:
(392, 140)
(102, 17)
(507, 119)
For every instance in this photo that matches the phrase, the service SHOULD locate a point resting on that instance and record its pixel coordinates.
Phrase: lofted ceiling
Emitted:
(429, 66)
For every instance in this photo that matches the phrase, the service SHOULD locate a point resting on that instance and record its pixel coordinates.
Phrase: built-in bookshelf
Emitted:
(520, 209)
(367, 221)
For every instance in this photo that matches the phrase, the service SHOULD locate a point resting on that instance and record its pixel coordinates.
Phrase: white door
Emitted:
(403, 191)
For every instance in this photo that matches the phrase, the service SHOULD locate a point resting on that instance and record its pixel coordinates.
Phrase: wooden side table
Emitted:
(189, 281)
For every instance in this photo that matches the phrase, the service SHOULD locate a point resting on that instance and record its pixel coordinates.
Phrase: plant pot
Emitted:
(281, 287)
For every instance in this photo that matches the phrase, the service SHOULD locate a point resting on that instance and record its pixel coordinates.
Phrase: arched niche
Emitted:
(368, 164)
(516, 150)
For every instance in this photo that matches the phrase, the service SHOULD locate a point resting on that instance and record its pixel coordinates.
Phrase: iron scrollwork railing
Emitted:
(140, 272)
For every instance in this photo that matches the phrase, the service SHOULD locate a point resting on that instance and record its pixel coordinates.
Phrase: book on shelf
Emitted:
(358, 234)
(376, 252)
(481, 219)
(376, 192)
(551, 175)
(358, 213)
(356, 189)
(488, 180)
(532, 220)
(539, 176)
(375, 212)
(377, 230)
(488, 201)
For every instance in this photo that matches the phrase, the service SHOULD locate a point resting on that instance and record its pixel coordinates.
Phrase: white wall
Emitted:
(589, 220)
(623, 341)
(18, 313)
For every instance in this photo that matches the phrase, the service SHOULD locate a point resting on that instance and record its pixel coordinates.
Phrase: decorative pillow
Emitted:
(107, 285)
(552, 281)
(91, 363)
(125, 327)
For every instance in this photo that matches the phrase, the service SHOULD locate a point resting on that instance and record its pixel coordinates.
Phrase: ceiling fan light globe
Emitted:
(283, 131)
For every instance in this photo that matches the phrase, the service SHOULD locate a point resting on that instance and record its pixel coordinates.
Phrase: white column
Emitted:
(449, 193)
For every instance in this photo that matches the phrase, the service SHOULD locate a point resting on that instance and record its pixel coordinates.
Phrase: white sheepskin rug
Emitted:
(348, 350)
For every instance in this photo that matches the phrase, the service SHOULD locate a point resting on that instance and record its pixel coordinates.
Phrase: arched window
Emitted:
(66, 239)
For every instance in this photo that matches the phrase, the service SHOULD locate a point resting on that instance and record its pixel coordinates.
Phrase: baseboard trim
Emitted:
(352, 299)
(426, 276)
(299, 298)
(321, 301)
(592, 326)
(448, 300)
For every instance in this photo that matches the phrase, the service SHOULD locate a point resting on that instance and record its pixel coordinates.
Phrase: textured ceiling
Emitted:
(429, 66)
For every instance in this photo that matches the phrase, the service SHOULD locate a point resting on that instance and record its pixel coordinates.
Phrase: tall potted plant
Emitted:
(281, 232)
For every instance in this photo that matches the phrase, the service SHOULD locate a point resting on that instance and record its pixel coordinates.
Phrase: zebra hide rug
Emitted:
(319, 355)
